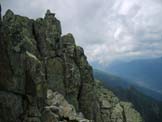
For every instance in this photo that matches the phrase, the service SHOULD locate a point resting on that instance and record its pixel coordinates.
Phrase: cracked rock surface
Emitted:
(45, 77)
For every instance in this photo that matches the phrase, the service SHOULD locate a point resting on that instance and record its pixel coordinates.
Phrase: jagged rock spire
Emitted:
(8, 15)
(49, 14)
(33, 60)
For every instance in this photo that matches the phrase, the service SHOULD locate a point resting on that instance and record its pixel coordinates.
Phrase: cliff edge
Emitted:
(45, 77)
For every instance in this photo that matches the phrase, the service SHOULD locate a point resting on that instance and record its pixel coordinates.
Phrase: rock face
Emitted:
(113, 110)
(59, 109)
(45, 77)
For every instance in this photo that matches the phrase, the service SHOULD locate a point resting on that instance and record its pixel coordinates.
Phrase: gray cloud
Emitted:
(106, 29)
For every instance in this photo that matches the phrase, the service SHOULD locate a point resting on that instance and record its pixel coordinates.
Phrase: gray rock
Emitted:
(55, 74)
(57, 105)
(113, 110)
(47, 33)
(34, 58)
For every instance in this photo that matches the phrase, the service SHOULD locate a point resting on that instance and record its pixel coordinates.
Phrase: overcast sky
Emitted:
(107, 29)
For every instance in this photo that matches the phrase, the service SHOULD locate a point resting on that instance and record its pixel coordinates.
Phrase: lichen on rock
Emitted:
(45, 77)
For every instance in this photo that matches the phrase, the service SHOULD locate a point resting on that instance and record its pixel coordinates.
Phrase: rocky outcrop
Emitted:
(112, 109)
(35, 57)
(59, 109)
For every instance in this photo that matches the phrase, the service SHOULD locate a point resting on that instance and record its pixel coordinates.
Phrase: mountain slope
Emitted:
(111, 80)
(116, 81)
(145, 72)
(150, 109)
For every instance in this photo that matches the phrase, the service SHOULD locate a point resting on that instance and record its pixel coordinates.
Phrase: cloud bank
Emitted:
(107, 29)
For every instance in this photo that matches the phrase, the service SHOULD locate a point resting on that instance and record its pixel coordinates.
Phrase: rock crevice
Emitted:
(45, 77)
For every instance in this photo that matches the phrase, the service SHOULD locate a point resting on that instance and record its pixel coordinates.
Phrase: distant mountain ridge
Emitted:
(114, 81)
(150, 108)
(145, 72)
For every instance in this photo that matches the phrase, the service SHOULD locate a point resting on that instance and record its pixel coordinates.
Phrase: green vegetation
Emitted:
(150, 109)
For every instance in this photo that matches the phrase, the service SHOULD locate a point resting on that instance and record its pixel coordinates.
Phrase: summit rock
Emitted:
(45, 76)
